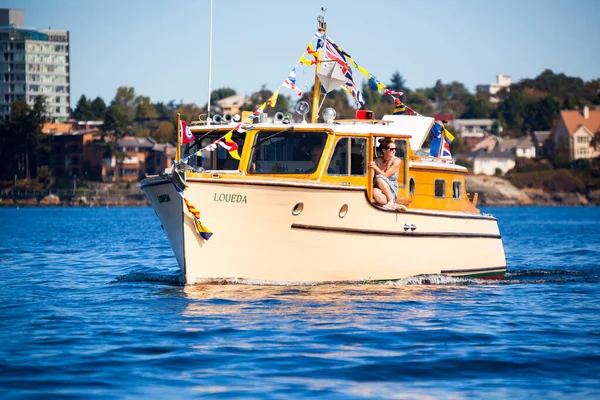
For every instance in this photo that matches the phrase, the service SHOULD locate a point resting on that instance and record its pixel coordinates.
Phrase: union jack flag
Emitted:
(445, 153)
(334, 53)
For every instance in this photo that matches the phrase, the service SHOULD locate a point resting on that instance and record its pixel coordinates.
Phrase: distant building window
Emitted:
(582, 151)
(440, 188)
(583, 139)
(456, 190)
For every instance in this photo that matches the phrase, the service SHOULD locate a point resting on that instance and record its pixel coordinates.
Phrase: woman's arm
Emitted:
(391, 171)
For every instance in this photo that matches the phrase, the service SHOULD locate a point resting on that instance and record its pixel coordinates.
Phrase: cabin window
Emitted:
(287, 152)
(358, 162)
(401, 154)
(456, 190)
(338, 165)
(411, 186)
(440, 188)
(348, 155)
(218, 159)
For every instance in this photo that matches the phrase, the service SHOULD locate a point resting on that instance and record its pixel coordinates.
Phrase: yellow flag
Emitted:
(273, 99)
(354, 64)
(448, 135)
(363, 71)
(203, 231)
(231, 146)
(304, 61)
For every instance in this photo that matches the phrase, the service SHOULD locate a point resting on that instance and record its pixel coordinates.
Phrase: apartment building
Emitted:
(33, 63)
(490, 90)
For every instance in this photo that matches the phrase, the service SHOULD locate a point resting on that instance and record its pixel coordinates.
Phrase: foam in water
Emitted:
(512, 278)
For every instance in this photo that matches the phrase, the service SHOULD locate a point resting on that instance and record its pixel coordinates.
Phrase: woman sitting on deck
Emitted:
(386, 174)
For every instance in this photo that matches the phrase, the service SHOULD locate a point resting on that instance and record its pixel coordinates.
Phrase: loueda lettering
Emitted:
(230, 198)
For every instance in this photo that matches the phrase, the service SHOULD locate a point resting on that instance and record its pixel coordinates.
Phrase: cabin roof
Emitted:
(414, 127)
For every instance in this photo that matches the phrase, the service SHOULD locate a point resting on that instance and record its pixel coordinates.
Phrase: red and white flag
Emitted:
(186, 134)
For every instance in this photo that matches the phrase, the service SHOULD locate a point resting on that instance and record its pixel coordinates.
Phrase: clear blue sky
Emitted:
(161, 47)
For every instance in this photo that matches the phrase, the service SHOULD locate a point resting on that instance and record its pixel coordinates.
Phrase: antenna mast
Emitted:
(209, 62)
(317, 88)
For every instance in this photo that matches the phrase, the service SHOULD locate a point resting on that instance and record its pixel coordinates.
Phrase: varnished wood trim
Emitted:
(396, 233)
(226, 181)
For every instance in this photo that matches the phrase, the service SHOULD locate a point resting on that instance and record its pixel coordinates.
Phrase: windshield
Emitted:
(287, 152)
(217, 158)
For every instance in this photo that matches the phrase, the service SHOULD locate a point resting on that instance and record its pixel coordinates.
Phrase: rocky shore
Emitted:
(493, 191)
(52, 200)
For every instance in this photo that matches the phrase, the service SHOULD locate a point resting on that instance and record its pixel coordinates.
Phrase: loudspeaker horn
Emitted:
(217, 119)
(279, 116)
(227, 118)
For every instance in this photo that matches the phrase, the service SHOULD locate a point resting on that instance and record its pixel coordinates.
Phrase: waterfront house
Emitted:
(488, 163)
(135, 158)
(472, 128)
(230, 105)
(520, 147)
(489, 144)
(539, 138)
(575, 129)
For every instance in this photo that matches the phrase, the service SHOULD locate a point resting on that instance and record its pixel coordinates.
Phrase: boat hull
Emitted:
(269, 231)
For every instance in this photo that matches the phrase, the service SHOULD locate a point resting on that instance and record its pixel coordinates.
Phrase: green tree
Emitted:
(23, 146)
(476, 107)
(512, 111)
(83, 110)
(98, 108)
(258, 98)
(418, 102)
(221, 93)
(438, 92)
(540, 115)
(118, 122)
(595, 142)
(144, 109)
(165, 132)
(119, 116)
(398, 83)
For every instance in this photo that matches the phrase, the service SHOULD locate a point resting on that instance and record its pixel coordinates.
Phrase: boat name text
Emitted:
(230, 198)
(163, 198)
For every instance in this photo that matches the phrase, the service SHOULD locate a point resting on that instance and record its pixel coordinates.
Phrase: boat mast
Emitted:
(317, 88)
(209, 61)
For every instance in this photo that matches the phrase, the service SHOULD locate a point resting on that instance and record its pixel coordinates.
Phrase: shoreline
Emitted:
(486, 199)
(493, 191)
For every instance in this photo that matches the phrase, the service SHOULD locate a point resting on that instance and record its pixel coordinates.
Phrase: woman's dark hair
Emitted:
(383, 143)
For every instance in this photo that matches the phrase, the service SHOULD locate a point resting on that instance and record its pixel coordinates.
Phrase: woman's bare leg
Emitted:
(379, 197)
(385, 188)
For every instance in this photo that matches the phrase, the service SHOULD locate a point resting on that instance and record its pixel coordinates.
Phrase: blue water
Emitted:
(91, 307)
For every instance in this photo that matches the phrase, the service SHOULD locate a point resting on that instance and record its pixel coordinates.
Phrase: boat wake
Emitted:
(537, 276)
(147, 277)
(549, 276)
(533, 276)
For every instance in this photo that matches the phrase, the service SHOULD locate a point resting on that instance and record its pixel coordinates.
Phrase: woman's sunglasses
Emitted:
(389, 148)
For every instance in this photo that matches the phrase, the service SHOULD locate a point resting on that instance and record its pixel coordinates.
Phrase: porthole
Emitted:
(411, 186)
(298, 208)
(343, 211)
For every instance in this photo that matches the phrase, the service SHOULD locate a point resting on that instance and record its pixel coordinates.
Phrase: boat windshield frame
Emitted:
(287, 152)
(218, 158)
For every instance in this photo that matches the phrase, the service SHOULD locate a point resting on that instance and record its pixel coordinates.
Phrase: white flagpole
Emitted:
(209, 61)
